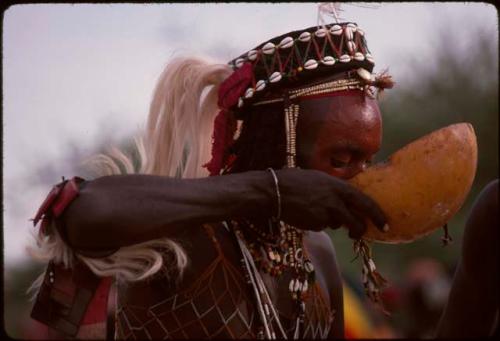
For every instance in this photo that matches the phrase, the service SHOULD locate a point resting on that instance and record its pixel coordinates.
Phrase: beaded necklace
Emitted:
(279, 250)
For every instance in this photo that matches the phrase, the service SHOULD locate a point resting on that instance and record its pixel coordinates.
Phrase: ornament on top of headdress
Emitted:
(331, 9)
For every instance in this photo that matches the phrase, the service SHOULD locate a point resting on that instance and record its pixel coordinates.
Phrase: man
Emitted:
(473, 307)
(242, 253)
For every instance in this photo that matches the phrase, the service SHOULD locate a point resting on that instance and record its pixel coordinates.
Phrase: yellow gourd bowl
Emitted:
(422, 185)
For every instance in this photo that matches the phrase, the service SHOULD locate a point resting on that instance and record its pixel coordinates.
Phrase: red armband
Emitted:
(56, 201)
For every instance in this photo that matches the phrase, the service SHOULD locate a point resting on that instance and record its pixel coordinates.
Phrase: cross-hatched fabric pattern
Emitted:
(218, 304)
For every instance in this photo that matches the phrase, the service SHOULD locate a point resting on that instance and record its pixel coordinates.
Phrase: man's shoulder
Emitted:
(320, 239)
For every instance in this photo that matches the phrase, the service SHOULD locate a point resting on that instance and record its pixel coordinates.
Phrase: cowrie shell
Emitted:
(268, 48)
(360, 32)
(240, 102)
(249, 93)
(352, 26)
(320, 33)
(297, 285)
(336, 30)
(239, 62)
(305, 37)
(275, 77)
(251, 55)
(359, 56)
(299, 254)
(364, 74)
(371, 265)
(370, 58)
(308, 266)
(260, 85)
(345, 58)
(311, 64)
(328, 60)
(286, 43)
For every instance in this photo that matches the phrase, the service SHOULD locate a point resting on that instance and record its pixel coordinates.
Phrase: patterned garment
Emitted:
(218, 304)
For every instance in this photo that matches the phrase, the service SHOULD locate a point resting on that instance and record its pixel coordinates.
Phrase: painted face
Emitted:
(338, 135)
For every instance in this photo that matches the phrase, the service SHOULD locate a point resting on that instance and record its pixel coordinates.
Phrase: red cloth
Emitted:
(97, 311)
(56, 201)
(233, 87)
(230, 90)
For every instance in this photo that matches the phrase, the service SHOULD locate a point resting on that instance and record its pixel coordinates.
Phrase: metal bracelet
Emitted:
(278, 195)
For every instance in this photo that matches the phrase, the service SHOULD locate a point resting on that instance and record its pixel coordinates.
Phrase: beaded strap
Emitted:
(323, 88)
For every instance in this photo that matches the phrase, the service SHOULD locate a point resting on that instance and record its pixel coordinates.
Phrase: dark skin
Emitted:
(339, 149)
(472, 309)
(116, 211)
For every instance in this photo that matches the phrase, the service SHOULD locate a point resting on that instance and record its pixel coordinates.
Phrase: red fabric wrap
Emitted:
(71, 298)
(56, 201)
(97, 310)
(234, 86)
(224, 128)
(66, 196)
(230, 90)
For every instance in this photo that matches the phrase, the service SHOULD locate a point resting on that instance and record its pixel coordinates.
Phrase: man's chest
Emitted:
(214, 299)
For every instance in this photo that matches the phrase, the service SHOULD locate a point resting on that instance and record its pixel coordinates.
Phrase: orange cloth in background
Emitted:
(357, 322)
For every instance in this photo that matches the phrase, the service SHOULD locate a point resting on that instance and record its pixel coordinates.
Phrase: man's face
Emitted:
(338, 135)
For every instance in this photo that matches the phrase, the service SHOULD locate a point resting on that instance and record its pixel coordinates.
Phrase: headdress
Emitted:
(319, 59)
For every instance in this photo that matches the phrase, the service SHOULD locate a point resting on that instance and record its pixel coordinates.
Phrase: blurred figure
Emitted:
(426, 291)
(363, 319)
(473, 307)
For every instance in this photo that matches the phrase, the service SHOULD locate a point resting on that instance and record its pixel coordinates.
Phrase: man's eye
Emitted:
(338, 163)
(368, 163)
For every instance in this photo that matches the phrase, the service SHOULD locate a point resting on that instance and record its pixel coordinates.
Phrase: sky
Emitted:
(73, 73)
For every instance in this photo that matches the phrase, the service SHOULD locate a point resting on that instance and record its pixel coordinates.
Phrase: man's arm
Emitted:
(115, 211)
(473, 301)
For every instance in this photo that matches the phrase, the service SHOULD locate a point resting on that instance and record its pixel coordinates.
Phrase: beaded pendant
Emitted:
(275, 253)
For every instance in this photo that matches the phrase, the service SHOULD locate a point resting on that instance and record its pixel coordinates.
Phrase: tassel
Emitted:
(383, 81)
(446, 239)
(225, 125)
(372, 279)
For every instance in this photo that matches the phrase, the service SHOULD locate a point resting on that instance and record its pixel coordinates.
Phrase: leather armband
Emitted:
(57, 201)
(73, 300)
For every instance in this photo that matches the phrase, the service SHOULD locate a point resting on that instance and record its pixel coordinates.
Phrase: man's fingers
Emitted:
(365, 205)
(335, 225)
(355, 226)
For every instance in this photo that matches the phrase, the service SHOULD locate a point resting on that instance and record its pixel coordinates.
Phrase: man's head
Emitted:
(338, 134)
(335, 134)
(305, 99)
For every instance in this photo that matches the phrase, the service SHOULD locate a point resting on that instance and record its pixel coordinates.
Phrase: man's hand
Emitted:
(313, 200)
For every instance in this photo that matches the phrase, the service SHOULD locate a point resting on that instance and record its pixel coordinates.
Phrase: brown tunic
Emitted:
(212, 299)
